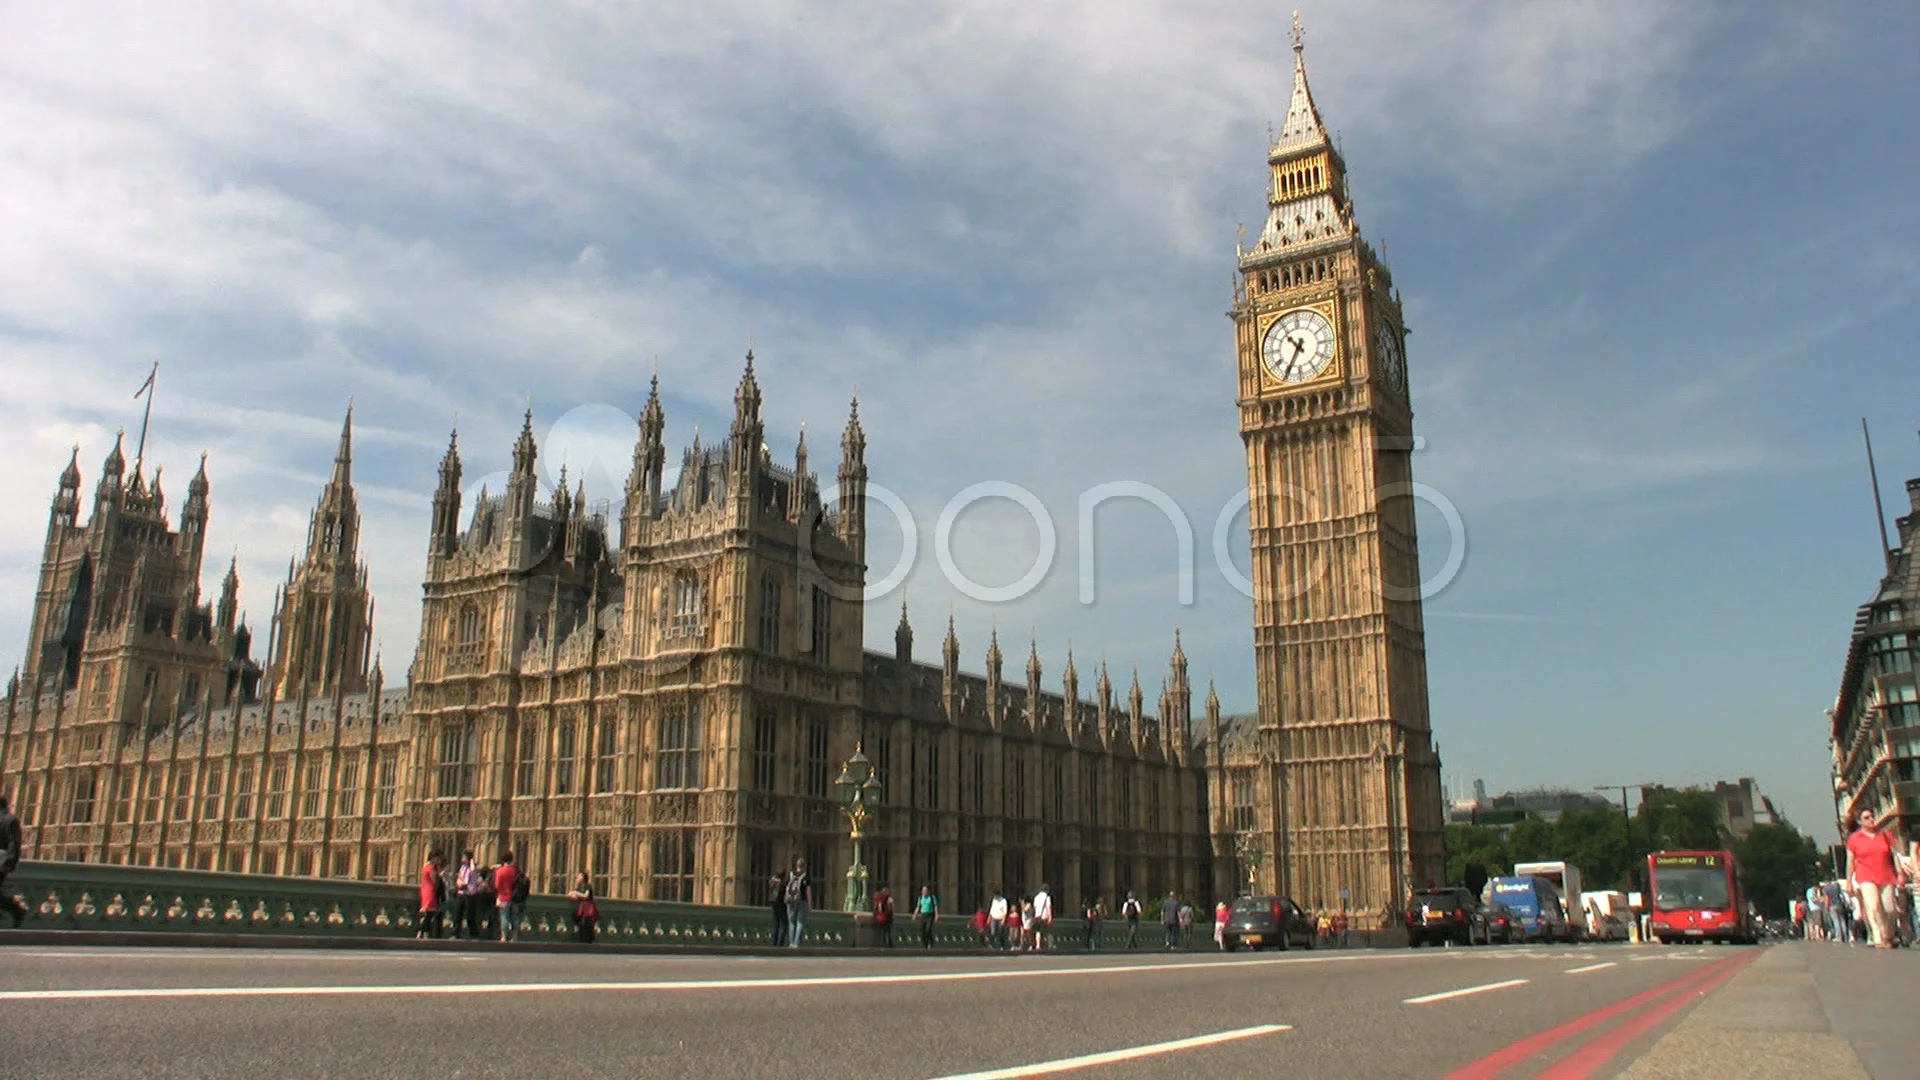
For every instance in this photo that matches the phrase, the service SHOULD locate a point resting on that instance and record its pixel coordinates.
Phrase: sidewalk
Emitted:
(1804, 1009)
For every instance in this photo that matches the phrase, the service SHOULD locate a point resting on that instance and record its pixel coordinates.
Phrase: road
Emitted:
(78, 1013)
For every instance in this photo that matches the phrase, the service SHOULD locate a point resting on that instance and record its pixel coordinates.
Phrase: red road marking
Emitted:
(1491, 1066)
(1582, 1062)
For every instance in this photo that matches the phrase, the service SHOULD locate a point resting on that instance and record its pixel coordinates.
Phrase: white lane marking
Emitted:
(112, 993)
(1114, 1056)
(236, 957)
(1448, 995)
(1591, 967)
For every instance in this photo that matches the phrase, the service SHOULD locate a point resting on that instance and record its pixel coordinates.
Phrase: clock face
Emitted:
(1393, 362)
(1299, 346)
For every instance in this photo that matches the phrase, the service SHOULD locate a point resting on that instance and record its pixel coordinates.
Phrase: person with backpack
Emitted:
(777, 903)
(927, 911)
(9, 859)
(799, 901)
(586, 913)
(1095, 912)
(883, 916)
(505, 880)
(515, 910)
(1130, 911)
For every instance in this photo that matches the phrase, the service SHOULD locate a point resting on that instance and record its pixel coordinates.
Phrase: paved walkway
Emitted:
(1804, 1009)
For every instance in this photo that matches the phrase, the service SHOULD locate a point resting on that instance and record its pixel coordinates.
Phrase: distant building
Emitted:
(1874, 725)
(1741, 804)
(1547, 804)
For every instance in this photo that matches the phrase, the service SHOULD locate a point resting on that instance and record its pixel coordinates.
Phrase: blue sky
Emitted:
(1658, 260)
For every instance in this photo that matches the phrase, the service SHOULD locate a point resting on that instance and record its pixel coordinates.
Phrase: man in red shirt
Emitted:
(504, 880)
(1871, 875)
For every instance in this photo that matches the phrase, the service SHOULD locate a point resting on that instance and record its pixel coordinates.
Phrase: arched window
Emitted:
(770, 613)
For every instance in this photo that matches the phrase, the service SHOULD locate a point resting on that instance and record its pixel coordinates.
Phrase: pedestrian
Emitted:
(506, 880)
(1094, 911)
(1042, 918)
(1873, 879)
(486, 904)
(465, 915)
(1186, 926)
(1170, 920)
(432, 896)
(1340, 926)
(1130, 911)
(1019, 914)
(1220, 911)
(777, 904)
(514, 914)
(1326, 929)
(9, 859)
(883, 916)
(586, 913)
(1838, 928)
(927, 911)
(997, 919)
(799, 902)
(978, 924)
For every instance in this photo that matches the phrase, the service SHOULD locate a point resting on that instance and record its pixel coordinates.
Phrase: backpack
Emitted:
(522, 887)
(797, 889)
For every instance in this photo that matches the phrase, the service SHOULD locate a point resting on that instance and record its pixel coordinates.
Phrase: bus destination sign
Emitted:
(1686, 860)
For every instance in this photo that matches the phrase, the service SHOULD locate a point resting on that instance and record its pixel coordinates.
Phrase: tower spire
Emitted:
(1302, 128)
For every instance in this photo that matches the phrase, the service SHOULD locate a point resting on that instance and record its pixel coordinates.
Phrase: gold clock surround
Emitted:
(1272, 385)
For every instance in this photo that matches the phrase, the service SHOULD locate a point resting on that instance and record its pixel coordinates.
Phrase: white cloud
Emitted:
(982, 214)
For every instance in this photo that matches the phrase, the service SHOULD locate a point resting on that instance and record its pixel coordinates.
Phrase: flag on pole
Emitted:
(147, 387)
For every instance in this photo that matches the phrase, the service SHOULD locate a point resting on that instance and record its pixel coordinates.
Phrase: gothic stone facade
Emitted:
(663, 700)
(1341, 775)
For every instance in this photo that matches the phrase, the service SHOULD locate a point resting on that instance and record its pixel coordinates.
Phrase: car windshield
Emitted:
(1253, 905)
(1680, 888)
(1439, 901)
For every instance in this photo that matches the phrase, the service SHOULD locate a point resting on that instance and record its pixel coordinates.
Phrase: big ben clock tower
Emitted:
(1351, 804)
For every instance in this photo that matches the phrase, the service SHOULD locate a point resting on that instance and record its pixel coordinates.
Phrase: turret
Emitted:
(229, 608)
(1070, 690)
(333, 530)
(112, 471)
(1214, 734)
(66, 497)
(853, 484)
(993, 678)
(950, 669)
(649, 459)
(445, 535)
(1033, 685)
(747, 432)
(522, 487)
(903, 641)
(799, 506)
(193, 520)
(1136, 712)
(1104, 713)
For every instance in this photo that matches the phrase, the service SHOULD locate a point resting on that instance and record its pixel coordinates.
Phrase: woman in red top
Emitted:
(433, 891)
(1871, 875)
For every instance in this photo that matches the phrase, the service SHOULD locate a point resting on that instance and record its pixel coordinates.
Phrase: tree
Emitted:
(1780, 862)
(1475, 845)
(1680, 821)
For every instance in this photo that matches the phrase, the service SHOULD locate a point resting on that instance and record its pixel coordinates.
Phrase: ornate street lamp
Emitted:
(858, 793)
(1247, 849)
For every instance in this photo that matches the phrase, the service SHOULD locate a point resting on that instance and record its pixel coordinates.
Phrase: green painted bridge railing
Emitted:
(108, 897)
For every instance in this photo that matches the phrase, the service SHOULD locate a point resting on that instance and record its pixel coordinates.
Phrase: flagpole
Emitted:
(146, 415)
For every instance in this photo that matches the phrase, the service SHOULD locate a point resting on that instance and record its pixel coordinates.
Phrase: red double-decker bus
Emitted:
(1699, 896)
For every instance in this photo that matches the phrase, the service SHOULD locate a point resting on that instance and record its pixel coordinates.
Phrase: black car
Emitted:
(1260, 921)
(1501, 926)
(1450, 914)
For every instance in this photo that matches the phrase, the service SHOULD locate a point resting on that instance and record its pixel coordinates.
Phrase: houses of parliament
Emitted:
(664, 697)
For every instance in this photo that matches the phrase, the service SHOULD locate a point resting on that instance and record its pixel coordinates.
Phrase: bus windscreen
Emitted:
(1680, 888)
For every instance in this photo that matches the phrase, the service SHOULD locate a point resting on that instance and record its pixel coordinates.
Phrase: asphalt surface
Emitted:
(77, 1013)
